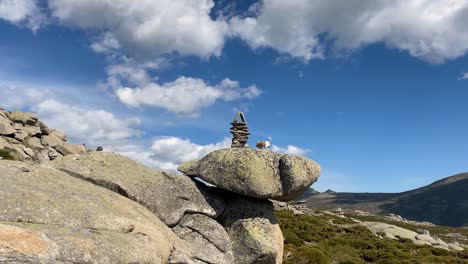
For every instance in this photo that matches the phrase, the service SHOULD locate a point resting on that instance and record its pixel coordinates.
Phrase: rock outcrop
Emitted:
(49, 217)
(255, 173)
(24, 137)
(61, 203)
(168, 196)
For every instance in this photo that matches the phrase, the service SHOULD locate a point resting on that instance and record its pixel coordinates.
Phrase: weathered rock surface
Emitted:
(52, 141)
(255, 233)
(69, 149)
(168, 196)
(32, 243)
(206, 239)
(24, 118)
(5, 126)
(255, 173)
(49, 217)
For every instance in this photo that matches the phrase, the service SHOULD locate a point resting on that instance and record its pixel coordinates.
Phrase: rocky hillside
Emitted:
(100, 207)
(315, 236)
(24, 137)
(444, 202)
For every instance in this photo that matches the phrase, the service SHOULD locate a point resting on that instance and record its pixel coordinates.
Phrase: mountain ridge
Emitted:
(443, 202)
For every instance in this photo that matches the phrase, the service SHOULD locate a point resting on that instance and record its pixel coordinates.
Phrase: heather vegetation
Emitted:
(314, 239)
(6, 155)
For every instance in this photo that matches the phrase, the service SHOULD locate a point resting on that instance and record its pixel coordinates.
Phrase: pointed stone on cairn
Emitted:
(240, 131)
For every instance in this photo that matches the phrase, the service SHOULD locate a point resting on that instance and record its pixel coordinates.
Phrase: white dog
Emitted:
(264, 144)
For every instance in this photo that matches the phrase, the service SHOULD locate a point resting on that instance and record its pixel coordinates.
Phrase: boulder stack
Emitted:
(24, 137)
(101, 207)
(250, 177)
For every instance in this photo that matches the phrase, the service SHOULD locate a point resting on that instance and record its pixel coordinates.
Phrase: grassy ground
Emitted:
(312, 239)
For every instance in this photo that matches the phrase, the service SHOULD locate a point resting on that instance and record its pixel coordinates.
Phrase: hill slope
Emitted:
(444, 202)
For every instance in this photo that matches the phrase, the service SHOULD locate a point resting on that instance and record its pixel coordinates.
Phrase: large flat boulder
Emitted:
(254, 231)
(255, 173)
(47, 216)
(167, 195)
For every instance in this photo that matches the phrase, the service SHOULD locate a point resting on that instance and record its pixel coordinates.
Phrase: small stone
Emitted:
(59, 134)
(32, 131)
(30, 152)
(34, 143)
(43, 127)
(20, 136)
(18, 126)
(53, 154)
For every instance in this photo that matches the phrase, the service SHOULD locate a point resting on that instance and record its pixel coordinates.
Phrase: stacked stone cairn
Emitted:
(240, 131)
(102, 207)
(24, 137)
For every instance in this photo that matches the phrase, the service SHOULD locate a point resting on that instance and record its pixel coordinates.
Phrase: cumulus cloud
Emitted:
(166, 153)
(22, 12)
(433, 30)
(82, 125)
(185, 96)
(464, 76)
(146, 27)
(95, 127)
(290, 149)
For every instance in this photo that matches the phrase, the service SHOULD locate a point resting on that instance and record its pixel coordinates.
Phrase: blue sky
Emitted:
(376, 95)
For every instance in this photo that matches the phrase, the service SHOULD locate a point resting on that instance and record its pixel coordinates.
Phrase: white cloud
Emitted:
(433, 30)
(290, 149)
(82, 125)
(147, 27)
(22, 12)
(185, 96)
(95, 127)
(167, 153)
(464, 76)
(13, 97)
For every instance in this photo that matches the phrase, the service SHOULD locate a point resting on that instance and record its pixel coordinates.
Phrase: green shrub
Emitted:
(291, 238)
(6, 155)
(307, 254)
(440, 252)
